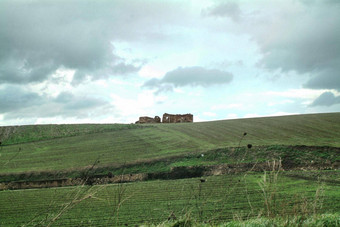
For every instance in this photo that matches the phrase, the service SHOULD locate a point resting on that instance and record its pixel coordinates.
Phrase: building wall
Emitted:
(167, 118)
(177, 118)
(149, 120)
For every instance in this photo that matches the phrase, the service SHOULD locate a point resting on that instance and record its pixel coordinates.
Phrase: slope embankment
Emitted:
(214, 162)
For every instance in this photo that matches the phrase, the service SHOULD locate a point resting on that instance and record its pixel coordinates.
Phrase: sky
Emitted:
(81, 61)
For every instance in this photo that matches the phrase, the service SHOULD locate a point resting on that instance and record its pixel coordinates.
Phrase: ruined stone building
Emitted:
(148, 120)
(167, 118)
(177, 118)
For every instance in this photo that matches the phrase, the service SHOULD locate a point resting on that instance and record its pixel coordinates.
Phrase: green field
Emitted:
(306, 145)
(220, 198)
(67, 147)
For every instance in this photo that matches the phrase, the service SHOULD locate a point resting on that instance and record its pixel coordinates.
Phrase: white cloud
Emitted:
(286, 101)
(251, 115)
(181, 91)
(296, 93)
(150, 71)
(132, 108)
(232, 116)
(199, 118)
(255, 115)
(228, 106)
(209, 114)
(59, 82)
(282, 114)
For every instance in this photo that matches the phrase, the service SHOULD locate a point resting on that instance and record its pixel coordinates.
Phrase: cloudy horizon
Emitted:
(83, 61)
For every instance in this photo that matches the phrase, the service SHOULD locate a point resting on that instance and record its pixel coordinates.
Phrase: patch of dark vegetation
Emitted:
(327, 219)
(309, 156)
(179, 172)
(213, 162)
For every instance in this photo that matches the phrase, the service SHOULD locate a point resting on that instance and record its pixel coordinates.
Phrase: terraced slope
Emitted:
(65, 147)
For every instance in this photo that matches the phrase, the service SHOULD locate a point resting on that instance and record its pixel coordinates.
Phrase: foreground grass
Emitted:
(67, 147)
(295, 221)
(219, 199)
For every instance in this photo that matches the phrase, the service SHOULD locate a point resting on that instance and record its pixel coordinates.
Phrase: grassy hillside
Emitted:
(43, 152)
(29, 133)
(67, 147)
(219, 198)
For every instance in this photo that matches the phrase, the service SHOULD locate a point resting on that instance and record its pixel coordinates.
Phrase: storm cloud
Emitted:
(190, 76)
(14, 98)
(17, 102)
(306, 40)
(38, 37)
(109, 60)
(300, 36)
(326, 99)
(227, 9)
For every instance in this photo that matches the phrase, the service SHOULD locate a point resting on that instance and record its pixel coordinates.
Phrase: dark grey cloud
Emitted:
(19, 71)
(38, 37)
(304, 41)
(14, 98)
(327, 79)
(226, 9)
(17, 102)
(326, 99)
(154, 82)
(301, 36)
(196, 76)
(64, 97)
(78, 103)
(123, 68)
(118, 69)
(190, 76)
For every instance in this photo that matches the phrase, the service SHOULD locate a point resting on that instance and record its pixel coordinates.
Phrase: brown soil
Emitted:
(73, 182)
